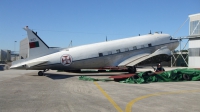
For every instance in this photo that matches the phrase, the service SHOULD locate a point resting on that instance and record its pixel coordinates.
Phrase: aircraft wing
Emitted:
(132, 60)
(141, 57)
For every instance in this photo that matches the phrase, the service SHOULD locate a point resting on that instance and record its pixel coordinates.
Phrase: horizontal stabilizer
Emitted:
(31, 64)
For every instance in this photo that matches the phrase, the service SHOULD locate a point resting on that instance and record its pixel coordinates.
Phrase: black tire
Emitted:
(75, 71)
(186, 77)
(40, 73)
(132, 69)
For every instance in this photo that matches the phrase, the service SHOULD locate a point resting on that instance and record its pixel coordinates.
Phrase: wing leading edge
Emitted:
(143, 56)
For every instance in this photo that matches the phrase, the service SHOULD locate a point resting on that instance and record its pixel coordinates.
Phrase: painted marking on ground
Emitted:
(108, 97)
(131, 103)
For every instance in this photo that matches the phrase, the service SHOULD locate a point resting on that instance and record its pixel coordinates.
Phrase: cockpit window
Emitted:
(149, 45)
(100, 54)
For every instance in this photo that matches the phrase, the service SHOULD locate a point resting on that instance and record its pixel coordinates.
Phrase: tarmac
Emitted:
(25, 91)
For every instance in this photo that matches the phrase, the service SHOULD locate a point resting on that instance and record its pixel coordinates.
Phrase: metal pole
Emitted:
(171, 61)
(14, 50)
(15, 45)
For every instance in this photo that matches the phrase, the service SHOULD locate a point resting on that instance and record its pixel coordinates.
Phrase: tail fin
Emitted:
(37, 47)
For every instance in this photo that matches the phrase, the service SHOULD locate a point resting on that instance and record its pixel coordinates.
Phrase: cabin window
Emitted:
(118, 50)
(194, 52)
(134, 48)
(109, 52)
(100, 54)
(149, 45)
(126, 49)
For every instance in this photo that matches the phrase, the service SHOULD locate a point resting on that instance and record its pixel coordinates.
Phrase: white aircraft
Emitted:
(123, 52)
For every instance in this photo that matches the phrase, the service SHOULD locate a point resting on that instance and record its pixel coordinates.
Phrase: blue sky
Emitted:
(58, 22)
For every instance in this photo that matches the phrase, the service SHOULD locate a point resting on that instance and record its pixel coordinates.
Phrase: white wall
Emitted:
(194, 61)
(194, 43)
(24, 48)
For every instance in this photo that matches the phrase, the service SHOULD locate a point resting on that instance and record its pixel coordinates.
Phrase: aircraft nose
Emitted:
(174, 45)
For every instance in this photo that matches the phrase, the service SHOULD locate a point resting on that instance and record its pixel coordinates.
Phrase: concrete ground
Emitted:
(24, 91)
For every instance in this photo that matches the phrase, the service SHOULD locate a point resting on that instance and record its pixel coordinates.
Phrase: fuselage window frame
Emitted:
(126, 49)
(109, 52)
(118, 50)
(100, 54)
(149, 45)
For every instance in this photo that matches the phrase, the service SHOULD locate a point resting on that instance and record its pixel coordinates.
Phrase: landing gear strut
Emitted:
(132, 69)
(41, 73)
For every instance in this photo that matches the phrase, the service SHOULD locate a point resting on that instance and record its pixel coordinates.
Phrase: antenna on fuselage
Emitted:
(106, 39)
(70, 44)
(150, 32)
(159, 32)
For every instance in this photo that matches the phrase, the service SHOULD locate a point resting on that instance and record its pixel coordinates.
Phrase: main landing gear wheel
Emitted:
(40, 73)
(132, 69)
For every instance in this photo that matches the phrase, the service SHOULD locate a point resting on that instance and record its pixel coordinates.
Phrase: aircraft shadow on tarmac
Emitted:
(57, 76)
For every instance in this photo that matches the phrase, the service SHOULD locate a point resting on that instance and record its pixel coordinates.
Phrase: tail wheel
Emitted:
(40, 73)
(186, 77)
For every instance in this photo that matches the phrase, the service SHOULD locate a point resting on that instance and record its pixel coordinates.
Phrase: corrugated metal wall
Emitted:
(194, 43)
(5, 55)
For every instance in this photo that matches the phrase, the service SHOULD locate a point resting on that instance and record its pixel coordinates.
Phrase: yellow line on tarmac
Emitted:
(131, 103)
(108, 97)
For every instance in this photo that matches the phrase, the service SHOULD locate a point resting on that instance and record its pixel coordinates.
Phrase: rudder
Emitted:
(37, 47)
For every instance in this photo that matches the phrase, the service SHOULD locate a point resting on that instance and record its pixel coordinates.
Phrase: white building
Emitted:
(5, 55)
(194, 41)
(24, 48)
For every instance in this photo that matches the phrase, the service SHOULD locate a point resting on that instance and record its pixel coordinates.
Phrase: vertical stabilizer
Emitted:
(37, 47)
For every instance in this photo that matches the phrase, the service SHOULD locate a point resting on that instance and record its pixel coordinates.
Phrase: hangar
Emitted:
(194, 41)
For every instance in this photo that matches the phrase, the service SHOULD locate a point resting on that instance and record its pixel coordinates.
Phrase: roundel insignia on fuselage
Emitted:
(66, 59)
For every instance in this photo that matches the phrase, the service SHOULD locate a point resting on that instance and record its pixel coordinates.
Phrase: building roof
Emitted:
(198, 14)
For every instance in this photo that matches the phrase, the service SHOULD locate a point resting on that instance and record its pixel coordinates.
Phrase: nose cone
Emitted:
(176, 44)
(173, 45)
